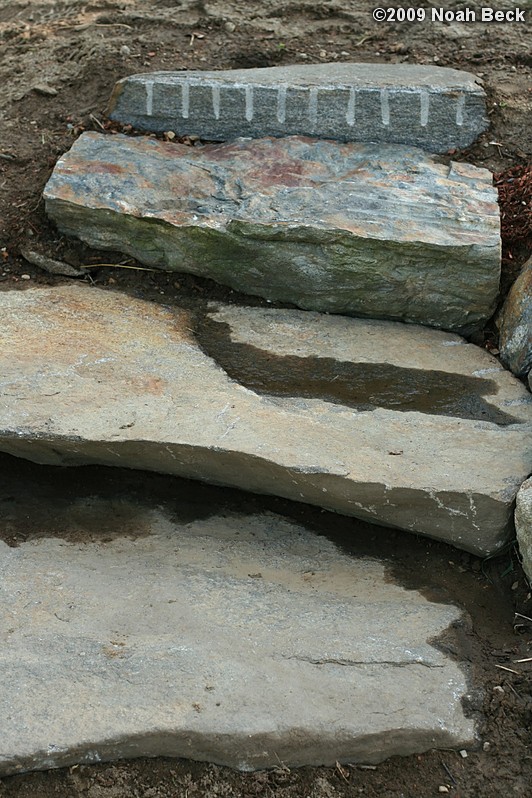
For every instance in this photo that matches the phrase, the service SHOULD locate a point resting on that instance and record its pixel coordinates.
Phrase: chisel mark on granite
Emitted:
(385, 107)
(424, 103)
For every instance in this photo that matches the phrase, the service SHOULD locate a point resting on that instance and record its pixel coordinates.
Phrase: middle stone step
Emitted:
(368, 230)
(392, 423)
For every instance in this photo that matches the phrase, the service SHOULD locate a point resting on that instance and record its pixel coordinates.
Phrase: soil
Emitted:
(58, 62)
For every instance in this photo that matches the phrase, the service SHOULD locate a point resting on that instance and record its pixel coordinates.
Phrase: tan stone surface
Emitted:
(241, 640)
(396, 424)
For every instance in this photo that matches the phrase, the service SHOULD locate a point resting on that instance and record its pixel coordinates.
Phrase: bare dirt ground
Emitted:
(58, 62)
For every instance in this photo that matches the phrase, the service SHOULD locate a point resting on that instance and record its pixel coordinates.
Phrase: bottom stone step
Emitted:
(244, 640)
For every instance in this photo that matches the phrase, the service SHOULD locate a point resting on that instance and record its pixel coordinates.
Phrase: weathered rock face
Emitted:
(516, 324)
(241, 640)
(430, 107)
(347, 228)
(395, 424)
(523, 525)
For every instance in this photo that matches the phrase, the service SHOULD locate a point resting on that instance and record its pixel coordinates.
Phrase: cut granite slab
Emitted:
(243, 640)
(374, 231)
(515, 324)
(395, 424)
(431, 107)
(523, 525)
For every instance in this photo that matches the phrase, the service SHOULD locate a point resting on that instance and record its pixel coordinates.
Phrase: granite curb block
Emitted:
(376, 231)
(431, 107)
(394, 424)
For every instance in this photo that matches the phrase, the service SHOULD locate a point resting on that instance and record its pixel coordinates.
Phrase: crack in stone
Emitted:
(351, 662)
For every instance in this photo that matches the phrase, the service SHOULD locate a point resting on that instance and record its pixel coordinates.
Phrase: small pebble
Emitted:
(486, 746)
(25, 276)
(125, 50)
(45, 90)
(230, 27)
(463, 753)
(498, 689)
(443, 788)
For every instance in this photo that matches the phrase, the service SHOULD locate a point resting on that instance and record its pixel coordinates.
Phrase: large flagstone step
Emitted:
(375, 231)
(397, 424)
(244, 640)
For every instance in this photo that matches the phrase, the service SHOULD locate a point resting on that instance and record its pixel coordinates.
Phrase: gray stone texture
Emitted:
(243, 640)
(379, 231)
(396, 424)
(523, 525)
(515, 324)
(431, 107)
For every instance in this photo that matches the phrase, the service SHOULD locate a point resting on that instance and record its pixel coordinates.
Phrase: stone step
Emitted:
(396, 424)
(378, 231)
(515, 323)
(523, 525)
(244, 640)
(431, 107)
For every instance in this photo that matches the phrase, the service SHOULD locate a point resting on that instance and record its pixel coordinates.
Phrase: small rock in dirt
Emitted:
(50, 265)
(44, 89)
(125, 50)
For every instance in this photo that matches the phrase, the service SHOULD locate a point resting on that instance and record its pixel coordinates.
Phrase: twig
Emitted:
(526, 659)
(512, 688)
(504, 668)
(518, 615)
(282, 767)
(118, 266)
(97, 25)
(365, 38)
(444, 766)
(341, 771)
(95, 119)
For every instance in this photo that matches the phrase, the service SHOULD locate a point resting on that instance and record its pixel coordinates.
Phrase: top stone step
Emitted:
(430, 107)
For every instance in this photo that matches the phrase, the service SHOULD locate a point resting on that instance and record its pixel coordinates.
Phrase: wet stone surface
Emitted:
(373, 231)
(92, 376)
(363, 386)
(431, 107)
(243, 639)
